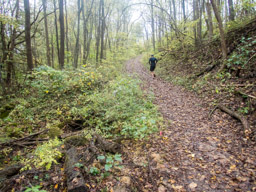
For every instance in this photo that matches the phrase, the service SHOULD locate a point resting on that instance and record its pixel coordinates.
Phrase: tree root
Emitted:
(235, 115)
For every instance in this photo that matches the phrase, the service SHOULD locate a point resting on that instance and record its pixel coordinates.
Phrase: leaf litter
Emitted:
(193, 153)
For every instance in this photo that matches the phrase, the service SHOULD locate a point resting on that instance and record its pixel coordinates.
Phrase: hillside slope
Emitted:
(199, 70)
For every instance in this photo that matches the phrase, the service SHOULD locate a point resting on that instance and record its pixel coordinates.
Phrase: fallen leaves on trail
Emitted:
(193, 153)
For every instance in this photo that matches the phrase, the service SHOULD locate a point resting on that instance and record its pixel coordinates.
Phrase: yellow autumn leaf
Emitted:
(172, 181)
(86, 184)
(46, 91)
(56, 186)
(214, 178)
(232, 167)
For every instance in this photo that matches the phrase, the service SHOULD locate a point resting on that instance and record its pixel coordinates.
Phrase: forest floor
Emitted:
(193, 152)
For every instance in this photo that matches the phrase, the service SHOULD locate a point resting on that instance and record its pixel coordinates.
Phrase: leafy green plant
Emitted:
(111, 161)
(242, 53)
(34, 189)
(244, 110)
(44, 155)
(94, 171)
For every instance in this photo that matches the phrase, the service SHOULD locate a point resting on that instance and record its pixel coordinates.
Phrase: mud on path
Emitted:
(193, 153)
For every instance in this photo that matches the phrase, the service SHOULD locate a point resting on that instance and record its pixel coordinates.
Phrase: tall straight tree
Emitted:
(46, 34)
(102, 30)
(153, 25)
(27, 35)
(56, 31)
(98, 35)
(209, 19)
(231, 10)
(62, 35)
(78, 34)
(66, 18)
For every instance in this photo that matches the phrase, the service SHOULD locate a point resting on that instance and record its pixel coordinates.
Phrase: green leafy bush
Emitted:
(121, 109)
(44, 155)
(243, 52)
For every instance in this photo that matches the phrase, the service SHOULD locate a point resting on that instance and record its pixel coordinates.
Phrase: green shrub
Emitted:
(44, 155)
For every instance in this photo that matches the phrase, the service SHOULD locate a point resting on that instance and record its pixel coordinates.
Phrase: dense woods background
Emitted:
(69, 34)
(70, 102)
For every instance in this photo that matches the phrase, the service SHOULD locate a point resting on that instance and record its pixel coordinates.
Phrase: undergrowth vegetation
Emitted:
(98, 100)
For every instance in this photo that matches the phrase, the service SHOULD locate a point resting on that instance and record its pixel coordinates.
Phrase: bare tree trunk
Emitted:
(4, 53)
(46, 34)
(78, 34)
(27, 35)
(102, 30)
(222, 35)
(52, 44)
(174, 11)
(89, 41)
(195, 18)
(67, 41)
(209, 15)
(34, 50)
(62, 35)
(231, 10)
(153, 26)
(98, 36)
(56, 30)
(85, 31)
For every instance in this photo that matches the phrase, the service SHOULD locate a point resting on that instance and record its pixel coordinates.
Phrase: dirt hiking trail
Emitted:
(194, 153)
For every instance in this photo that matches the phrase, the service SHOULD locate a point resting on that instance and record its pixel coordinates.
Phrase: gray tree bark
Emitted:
(78, 34)
(46, 34)
(62, 35)
(27, 35)
(222, 35)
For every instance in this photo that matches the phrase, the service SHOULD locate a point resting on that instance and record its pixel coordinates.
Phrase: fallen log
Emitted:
(17, 142)
(10, 171)
(107, 146)
(236, 116)
(75, 180)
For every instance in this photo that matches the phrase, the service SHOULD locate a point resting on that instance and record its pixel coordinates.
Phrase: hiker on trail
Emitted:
(152, 63)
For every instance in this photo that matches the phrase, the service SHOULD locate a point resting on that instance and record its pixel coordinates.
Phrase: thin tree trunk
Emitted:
(67, 41)
(195, 18)
(34, 50)
(56, 31)
(102, 30)
(89, 41)
(222, 35)
(98, 37)
(231, 10)
(27, 35)
(52, 46)
(153, 26)
(85, 31)
(62, 35)
(174, 11)
(78, 34)
(46, 34)
(209, 15)
(4, 54)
